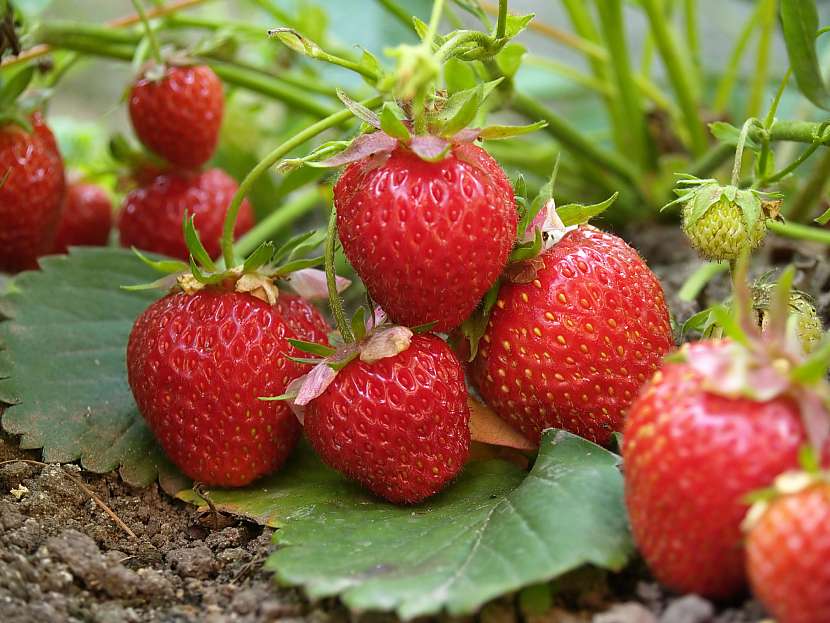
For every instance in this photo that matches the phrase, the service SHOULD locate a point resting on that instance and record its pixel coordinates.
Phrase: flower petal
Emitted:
(310, 283)
(384, 343)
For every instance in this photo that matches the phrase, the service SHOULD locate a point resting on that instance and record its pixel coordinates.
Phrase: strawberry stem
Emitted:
(335, 302)
(270, 160)
(155, 48)
(739, 151)
(501, 25)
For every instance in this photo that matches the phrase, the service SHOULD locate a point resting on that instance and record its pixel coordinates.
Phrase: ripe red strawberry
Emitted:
(303, 318)
(399, 425)
(197, 365)
(427, 238)
(86, 219)
(571, 347)
(178, 116)
(788, 555)
(692, 454)
(31, 195)
(151, 218)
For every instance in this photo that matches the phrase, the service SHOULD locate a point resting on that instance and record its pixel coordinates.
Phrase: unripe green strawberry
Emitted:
(721, 233)
(723, 222)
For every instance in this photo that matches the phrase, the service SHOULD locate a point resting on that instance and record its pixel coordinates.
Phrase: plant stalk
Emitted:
(155, 48)
(335, 302)
(799, 232)
(270, 160)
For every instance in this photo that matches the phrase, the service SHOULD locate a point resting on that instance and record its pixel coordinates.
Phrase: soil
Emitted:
(63, 558)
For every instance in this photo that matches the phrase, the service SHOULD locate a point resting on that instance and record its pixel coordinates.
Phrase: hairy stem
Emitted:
(335, 302)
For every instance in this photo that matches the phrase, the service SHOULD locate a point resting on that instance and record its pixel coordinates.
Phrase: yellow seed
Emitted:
(583, 348)
(528, 373)
(559, 377)
(537, 331)
(589, 327)
(506, 345)
(500, 303)
(524, 296)
(612, 322)
(549, 316)
(505, 388)
(537, 283)
(620, 350)
(502, 373)
(561, 339)
(562, 298)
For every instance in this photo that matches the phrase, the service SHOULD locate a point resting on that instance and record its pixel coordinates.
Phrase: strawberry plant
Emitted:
(445, 431)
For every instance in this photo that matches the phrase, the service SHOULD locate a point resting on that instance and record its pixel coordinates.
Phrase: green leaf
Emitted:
(260, 257)
(14, 87)
(312, 348)
(799, 23)
(824, 218)
(517, 23)
(576, 214)
(500, 132)
(458, 76)
(392, 125)
(62, 363)
(510, 58)
(162, 266)
(494, 531)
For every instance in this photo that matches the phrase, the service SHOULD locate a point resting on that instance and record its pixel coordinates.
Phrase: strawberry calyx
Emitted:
(763, 365)
(541, 226)
(791, 482)
(258, 275)
(15, 107)
(446, 126)
(374, 339)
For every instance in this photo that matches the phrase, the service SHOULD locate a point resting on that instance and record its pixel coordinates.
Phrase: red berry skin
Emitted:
(197, 365)
(427, 239)
(151, 217)
(398, 426)
(788, 557)
(572, 348)
(689, 458)
(31, 196)
(179, 116)
(303, 318)
(86, 218)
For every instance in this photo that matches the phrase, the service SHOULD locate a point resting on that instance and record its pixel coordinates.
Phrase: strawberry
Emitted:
(31, 193)
(178, 115)
(722, 222)
(390, 412)
(788, 550)
(197, 365)
(86, 218)
(427, 238)
(151, 218)
(570, 342)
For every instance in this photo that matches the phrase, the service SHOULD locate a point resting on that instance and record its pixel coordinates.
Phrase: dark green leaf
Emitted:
(496, 530)
(63, 368)
(799, 23)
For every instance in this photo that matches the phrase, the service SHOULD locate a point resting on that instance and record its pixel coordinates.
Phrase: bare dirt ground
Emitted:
(63, 558)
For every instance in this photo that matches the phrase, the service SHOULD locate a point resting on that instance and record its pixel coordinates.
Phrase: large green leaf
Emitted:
(494, 531)
(62, 367)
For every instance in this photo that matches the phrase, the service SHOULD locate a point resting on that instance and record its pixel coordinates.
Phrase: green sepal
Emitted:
(475, 326)
(16, 117)
(312, 348)
(195, 246)
(423, 328)
(527, 250)
(461, 109)
(392, 124)
(210, 278)
(299, 245)
(458, 76)
(310, 361)
(13, 88)
(824, 218)
(729, 134)
(281, 397)
(299, 264)
(260, 257)
(515, 24)
(814, 369)
(578, 214)
(502, 132)
(371, 61)
(162, 266)
(359, 110)
(509, 59)
(295, 41)
(358, 324)
(731, 327)
(703, 198)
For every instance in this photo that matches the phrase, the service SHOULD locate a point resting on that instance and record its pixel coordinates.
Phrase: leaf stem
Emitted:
(434, 20)
(679, 73)
(270, 160)
(501, 24)
(799, 232)
(335, 302)
(155, 48)
(739, 151)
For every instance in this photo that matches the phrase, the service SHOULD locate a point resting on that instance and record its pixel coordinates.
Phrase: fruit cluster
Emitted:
(177, 115)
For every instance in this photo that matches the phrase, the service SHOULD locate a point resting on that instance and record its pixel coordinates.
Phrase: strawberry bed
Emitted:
(415, 332)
